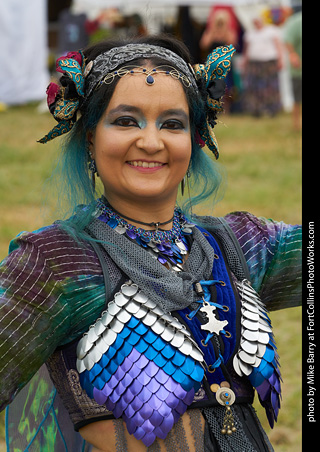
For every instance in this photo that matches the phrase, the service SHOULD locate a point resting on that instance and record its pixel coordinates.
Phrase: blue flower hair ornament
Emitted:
(213, 74)
(63, 101)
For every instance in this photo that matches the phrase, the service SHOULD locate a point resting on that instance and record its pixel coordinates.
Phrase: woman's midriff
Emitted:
(102, 435)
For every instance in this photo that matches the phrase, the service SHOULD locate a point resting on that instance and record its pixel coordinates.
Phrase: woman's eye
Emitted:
(126, 122)
(173, 124)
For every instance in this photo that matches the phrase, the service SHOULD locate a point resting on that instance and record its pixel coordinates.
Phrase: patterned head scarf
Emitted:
(84, 79)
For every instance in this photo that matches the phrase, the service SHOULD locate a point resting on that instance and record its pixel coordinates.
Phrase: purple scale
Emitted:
(162, 260)
(134, 355)
(164, 410)
(151, 369)
(171, 385)
(156, 419)
(119, 408)
(120, 388)
(180, 393)
(134, 371)
(149, 438)
(129, 411)
(160, 433)
(136, 404)
(136, 387)
(107, 390)
(110, 405)
(153, 386)
(103, 218)
(143, 378)
(99, 396)
(167, 423)
(181, 407)
(147, 426)
(275, 402)
(188, 399)
(146, 411)
(128, 396)
(139, 433)
(114, 397)
(155, 402)
(144, 394)
(138, 419)
(126, 366)
(162, 393)
(131, 426)
(264, 390)
(113, 381)
(172, 401)
(127, 380)
(162, 377)
(176, 415)
(132, 235)
(142, 362)
(167, 248)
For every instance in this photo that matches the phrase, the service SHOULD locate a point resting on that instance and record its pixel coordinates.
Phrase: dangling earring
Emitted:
(183, 185)
(93, 170)
(183, 182)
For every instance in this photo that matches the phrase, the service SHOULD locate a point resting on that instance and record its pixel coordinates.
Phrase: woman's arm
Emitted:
(51, 288)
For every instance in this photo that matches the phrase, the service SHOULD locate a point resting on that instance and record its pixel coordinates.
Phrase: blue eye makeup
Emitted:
(127, 121)
(173, 119)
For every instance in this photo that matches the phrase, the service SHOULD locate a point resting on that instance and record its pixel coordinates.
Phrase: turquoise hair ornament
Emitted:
(213, 72)
(63, 102)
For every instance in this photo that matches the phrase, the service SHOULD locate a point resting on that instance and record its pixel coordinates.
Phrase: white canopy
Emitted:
(23, 51)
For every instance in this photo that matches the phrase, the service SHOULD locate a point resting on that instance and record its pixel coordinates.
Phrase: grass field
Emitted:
(262, 158)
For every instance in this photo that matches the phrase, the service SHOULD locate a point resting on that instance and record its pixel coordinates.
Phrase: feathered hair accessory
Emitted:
(81, 80)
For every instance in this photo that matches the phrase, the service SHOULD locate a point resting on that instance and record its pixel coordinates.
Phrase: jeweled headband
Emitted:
(114, 58)
(83, 80)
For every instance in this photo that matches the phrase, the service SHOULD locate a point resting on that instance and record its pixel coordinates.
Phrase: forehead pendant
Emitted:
(149, 78)
(148, 73)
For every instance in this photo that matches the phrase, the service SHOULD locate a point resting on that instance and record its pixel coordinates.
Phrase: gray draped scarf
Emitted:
(170, 290)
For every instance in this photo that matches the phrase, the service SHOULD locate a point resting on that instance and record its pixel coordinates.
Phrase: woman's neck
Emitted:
(150, 214)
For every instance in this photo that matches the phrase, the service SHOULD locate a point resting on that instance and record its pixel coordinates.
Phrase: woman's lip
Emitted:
(146, 168)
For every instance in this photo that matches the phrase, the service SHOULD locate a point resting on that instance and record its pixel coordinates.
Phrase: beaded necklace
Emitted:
(168, 247)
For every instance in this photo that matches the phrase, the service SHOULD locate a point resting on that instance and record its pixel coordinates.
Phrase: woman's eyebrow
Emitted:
(177, 112)
(124, 108)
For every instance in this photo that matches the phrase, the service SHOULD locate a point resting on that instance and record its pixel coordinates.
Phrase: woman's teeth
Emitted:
(145, 164)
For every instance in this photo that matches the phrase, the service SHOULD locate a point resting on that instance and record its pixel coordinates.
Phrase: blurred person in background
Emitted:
(221, 31)
(262, 61)
(293, 42)
(142, 326)
(218, 32)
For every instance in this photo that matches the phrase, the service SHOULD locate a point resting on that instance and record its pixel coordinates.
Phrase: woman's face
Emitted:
(142, 143)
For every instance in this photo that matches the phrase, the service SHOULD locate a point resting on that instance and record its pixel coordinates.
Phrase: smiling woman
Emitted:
(142, 150)
(152, 323)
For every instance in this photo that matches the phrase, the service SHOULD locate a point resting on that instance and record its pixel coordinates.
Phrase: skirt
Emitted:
(261, 88)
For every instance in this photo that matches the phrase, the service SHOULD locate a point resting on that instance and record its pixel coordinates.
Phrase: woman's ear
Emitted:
(90, 140)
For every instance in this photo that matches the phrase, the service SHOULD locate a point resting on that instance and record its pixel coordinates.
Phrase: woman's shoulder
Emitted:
(234, 220)
(47, 237)
(57, 249)
(250, 229)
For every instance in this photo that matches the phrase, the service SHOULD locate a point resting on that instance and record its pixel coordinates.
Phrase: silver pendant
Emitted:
(214, 325)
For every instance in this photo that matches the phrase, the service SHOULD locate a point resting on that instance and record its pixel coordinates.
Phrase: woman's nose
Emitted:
(150, 139)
